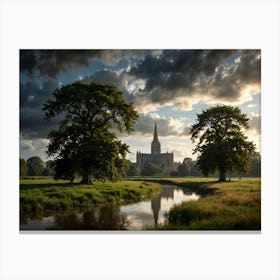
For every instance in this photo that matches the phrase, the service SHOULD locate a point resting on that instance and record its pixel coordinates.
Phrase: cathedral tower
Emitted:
(165, 161)
(155, 147)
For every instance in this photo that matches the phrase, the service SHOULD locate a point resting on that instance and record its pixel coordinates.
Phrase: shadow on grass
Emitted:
(201, 188)
(24, 186)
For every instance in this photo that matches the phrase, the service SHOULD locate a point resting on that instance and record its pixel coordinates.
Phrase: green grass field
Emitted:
(46, 194)
(234, 205)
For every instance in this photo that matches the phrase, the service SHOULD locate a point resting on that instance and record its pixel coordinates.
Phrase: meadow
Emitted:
(46, 194)
(234, 205)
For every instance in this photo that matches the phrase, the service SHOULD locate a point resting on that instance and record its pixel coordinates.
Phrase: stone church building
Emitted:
(159, 159)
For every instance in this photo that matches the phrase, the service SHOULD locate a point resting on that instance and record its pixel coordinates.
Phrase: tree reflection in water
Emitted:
(105, 218)
(134, 216)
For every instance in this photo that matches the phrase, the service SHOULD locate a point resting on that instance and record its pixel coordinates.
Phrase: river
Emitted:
(132, 216)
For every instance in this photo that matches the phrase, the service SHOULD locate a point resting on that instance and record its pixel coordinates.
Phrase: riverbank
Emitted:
(46, 194)
(234, 205)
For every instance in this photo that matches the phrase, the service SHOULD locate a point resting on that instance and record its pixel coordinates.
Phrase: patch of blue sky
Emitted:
(23, 78)
(172, 111)
(133, 61)
(121, 64)
(230, 60)
(80, 72)
(35, 76)
(253, 106)
(200, 106)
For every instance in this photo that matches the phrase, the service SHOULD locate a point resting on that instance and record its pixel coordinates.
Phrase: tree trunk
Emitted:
(86, 180)
(222, 175)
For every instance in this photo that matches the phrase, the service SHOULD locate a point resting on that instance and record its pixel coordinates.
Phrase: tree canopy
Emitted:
(48, 171)
(35, 166)
(222, 145)
(86, 139)
(132, 170)
(150, 169)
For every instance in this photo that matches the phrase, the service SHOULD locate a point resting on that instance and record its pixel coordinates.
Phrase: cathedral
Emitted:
(162, 160)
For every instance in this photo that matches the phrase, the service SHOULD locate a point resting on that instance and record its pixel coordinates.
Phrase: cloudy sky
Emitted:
(168, 87)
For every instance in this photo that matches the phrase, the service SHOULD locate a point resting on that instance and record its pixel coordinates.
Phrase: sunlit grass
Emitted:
(234, 205)
(45, 194)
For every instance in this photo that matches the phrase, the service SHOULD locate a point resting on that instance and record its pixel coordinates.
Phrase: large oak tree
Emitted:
(86, 139)
(222, 144)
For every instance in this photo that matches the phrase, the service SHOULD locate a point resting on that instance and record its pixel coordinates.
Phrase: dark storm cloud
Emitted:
(32, 98)
(34, 95)
(104, 76)
(249, 68)
(215, 74)
(172, 63)
(51, 62)
(33, 125)
(112, 77)
(168, 77)
(229, 81)
(28, 61)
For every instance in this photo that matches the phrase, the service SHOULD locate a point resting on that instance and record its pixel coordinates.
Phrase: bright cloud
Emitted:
(187, 81)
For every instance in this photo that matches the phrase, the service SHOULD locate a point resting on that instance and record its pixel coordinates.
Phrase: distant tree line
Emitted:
(35, 166)
(187, 168)
(190, 167)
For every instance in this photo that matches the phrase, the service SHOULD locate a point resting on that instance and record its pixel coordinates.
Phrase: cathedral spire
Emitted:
(155, 133)
(155, 147)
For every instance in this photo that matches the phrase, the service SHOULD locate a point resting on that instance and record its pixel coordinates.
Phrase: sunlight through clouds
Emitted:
(168, 87)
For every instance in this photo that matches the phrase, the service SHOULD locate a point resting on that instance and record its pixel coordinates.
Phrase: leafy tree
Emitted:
(187, 161)
(132, 170)
(22, 167)
(174, 173)
(188, 168)
(222, 145)
(151, 169)
(49, 169)
(35, 166)
(64, 168)
(163, 169)
(194, 169)
(86, 139)
(255, 170)
(184, 169)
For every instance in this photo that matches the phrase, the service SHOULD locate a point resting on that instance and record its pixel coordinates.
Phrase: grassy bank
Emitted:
(45, 194)
(234, 205)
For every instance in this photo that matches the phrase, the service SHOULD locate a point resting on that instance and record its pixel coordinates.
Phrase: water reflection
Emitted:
(105, 218)
(156, 207)
(167, 192)
(134, 216)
